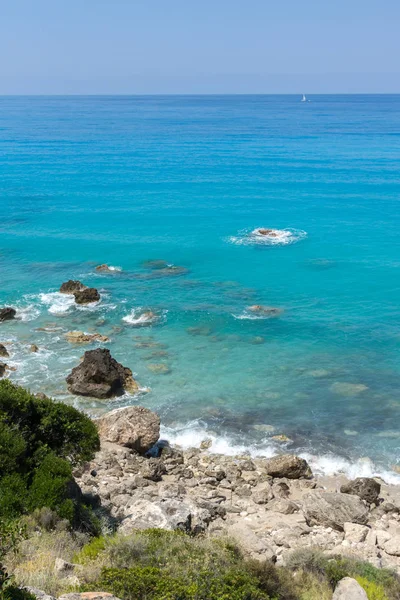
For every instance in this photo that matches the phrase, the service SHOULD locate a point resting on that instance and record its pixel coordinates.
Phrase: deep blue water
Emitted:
(122, 180)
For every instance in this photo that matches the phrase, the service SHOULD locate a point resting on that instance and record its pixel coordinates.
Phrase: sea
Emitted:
(169, 191)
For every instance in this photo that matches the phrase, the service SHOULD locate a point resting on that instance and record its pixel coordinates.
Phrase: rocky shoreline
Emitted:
(270, 507)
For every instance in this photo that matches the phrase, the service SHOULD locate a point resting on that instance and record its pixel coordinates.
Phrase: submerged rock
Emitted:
(80, 337)
(71, 286)
(160, 368)
(3, 351)
(7, 313)
(87, 296)
(365, 488)
(333, 509)
(155, 264)
(265, 311)
(134, 426)
(348, 389)
(33, 348)
(287, 465)
(100, 375)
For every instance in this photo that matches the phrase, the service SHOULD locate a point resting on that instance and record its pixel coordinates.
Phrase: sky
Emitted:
(199, 47)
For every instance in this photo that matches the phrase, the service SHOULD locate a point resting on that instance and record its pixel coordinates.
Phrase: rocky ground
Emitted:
(269, 506)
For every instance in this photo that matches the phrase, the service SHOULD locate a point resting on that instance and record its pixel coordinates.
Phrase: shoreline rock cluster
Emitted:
(269, 506)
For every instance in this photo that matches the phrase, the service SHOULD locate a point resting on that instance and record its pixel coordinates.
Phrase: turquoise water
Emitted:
(123, 180)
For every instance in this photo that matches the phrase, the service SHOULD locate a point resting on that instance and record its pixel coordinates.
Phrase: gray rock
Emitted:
(170, 514)
(3, 351)
(355, 533)
(333, 509)
(365, 487)
(7, 313)
(349, 589)
(287, 465)
(251, 544)
(71, 286)
(62, 567)
(99, 375)
(392, 546)
(135, 427)
(40, 595)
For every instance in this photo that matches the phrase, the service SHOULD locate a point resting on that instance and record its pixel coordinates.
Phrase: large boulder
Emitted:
(170, 514)
(134, 426)
(100, 375)
(333, 509)
(71, 286)
(287, 465)
(365, 487)
(349, 589)
(86, 296)
(39, 594)
(7, 313)
(3, 351)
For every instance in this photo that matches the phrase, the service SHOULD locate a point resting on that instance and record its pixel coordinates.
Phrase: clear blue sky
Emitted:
(202, 46)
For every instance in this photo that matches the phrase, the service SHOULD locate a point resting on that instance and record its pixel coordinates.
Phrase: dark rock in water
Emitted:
(33, 348)
(7, 313)
(288, 465)
(72, 286)
(87, 296)
(3, 351)
(135, 427)
(265, 311)
(100, 375)
(155, 264)
(365, 488)
(3, 369)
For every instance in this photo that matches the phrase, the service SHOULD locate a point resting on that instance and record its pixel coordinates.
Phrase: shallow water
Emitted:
(124, 180)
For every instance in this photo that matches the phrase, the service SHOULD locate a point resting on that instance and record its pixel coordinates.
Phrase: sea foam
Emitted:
(281, 237)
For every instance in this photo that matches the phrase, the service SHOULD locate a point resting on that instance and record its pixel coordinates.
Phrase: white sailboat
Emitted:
(304, 99)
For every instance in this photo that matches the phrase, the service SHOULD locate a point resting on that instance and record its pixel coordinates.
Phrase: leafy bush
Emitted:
(151, 583)
(14, 593)
(40, 441)
(380, 584)
(374, 590)
(46, 425)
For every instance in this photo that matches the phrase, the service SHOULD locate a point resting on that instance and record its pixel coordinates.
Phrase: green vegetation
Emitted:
(40, 442)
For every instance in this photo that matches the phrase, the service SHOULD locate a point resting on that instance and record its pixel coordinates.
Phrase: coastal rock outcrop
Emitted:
(80, 337)
(7, 313)
(334, 509)
(71, 286)
(265, 311)
(100, 375)
(86, 296)
(365, 488)
(3, 351)
(107, 269)
(3, 369)
(134, 426)
(289, 466)
(349, 589)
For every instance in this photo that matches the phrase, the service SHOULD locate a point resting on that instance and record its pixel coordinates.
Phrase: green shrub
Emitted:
(91, 550)
(14, 593)
(48, 425)
(150, 583)
(374, 590)
(40, 441)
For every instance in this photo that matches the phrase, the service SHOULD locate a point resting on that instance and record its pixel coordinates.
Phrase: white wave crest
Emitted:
(273, 237)
(28, 313)
(193, 433)
(58, 304)
(141, 317)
